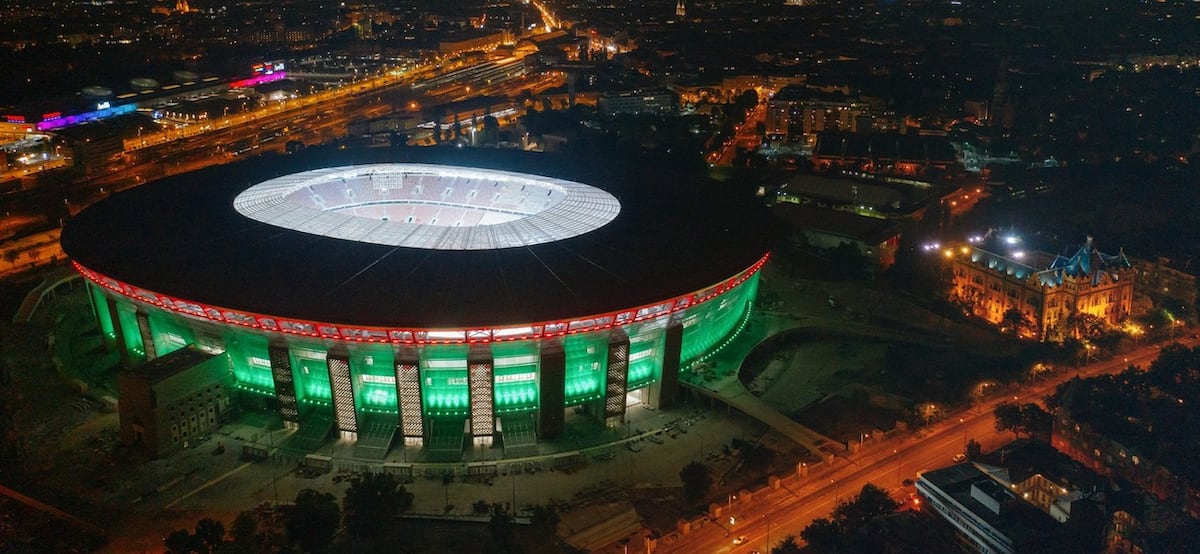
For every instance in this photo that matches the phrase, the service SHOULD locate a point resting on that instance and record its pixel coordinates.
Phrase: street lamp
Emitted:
(768, 518)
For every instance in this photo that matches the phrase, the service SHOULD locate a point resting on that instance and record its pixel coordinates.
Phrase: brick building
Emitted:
(173, 400)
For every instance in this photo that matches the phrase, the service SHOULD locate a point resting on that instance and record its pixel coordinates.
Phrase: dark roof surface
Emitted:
(181, 237)
(171, 364)
(859, 227)
(1019, 521)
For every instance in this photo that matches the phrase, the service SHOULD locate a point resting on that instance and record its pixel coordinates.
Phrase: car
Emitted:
(960, 457)
(741, 539)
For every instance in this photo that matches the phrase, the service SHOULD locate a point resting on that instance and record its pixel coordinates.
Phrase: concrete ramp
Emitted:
(731, 391)
(33, 300)
(375, 435)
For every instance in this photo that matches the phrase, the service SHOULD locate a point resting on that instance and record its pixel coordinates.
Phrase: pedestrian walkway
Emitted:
(55, 278)
(51, 510)
(731, 391)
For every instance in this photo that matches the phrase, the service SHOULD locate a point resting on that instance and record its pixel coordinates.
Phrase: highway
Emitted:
(169, 148)
(789, 509)
(311, 119)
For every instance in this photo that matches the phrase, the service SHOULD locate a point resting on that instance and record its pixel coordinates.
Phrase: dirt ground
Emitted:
(798, 377)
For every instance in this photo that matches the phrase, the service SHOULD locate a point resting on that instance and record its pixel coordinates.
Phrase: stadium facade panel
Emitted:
(508, 366)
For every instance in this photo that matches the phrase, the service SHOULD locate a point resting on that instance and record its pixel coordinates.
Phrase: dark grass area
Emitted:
(944, 375)
(844, 418)
(24, 529)
(920, 373)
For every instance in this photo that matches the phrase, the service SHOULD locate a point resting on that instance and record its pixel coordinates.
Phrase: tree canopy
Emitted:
(840, 533)
(371, 501)
(312, 521)
(696, 480)
(1029, 419)
(787, 546)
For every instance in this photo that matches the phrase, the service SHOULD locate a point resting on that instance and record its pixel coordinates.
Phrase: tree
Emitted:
(311, 523)
(491, 130)
(695, 480)
(1008, 418)
(1016, 322)
(835, 534)
(871, 502)
(503, 539)
(371, 501)
(181, 542)
(1029, 419)
(210, 534)
(1084, 325)
(544, 519)
(823, 535)
(209, 537)
(787, 546)
(974, 449)
(745, 102)
(244, 532)
(1036, 422)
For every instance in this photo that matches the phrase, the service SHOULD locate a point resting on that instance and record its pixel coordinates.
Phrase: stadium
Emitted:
(441, 298)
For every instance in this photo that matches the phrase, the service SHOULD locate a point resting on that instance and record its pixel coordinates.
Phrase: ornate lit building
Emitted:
(1046, 289)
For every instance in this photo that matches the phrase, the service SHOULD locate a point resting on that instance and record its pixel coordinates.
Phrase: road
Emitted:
(745, 137)
(792, 507)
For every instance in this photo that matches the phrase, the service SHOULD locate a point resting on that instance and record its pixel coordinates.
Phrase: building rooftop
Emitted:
(1007, 253)
(869, 230)
(169, 365)
(674, 235)
(843, 191)
(892, 146)
(1020, 522)
(1023, 459)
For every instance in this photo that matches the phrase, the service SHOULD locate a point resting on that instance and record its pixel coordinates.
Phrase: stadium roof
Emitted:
(182, 237)
(429, 206)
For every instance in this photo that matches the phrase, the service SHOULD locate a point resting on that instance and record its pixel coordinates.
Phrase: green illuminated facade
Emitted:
(413, 387)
